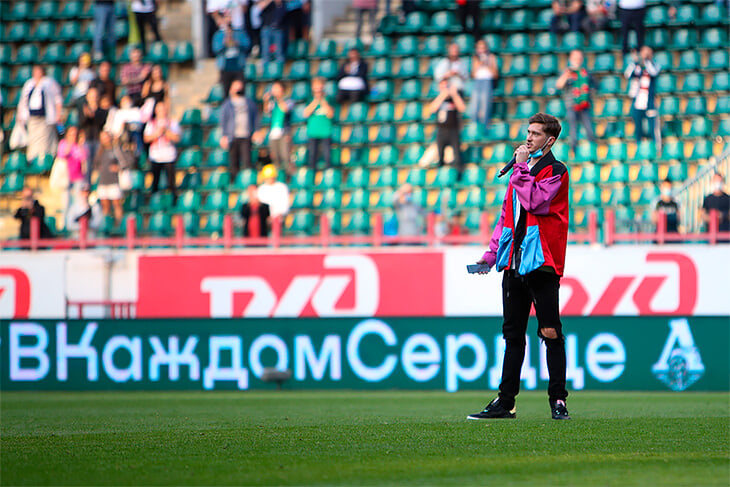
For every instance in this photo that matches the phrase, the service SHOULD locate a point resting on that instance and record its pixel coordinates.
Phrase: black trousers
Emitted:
(471, 9)
(449, 136)
(519, 293)
(239, 154)
(314, 146)
(169, 168)
(143, 20)
(632, 19)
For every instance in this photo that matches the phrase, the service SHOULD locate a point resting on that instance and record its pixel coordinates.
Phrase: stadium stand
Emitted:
(382, 142)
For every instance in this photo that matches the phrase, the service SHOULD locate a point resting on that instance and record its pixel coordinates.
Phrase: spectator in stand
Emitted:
(81, 77)
(107, 165)
(567, 15)
(273, 14)
(252, 13)
(352, 80)
(448, 107)
(29, 208)
(104, 38)
(598, 13)
(228, 12)
(470, 8)
(363, 7)
(319, 115)
(91, 120)
(255, 215)
(452, 69)
(134, 74)
(40, 108)
(125, 125)
(641, 73)
(72, 150)
(484, 71)
(631, 13)
(576, 84)
(155, 88)
(238, 124)
(230, 47)
(279, 108)
(297, 19)
(274, 193)
(409, 213)
(81, 209)
(104, 83)
(717, 200)
(669, 206)
(145, 14)
(162, 133)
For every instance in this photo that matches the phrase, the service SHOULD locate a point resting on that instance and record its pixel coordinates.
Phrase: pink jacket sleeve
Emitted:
(490, 256)
(534, 196)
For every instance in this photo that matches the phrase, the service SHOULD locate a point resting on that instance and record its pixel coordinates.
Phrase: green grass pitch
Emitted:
(365, 438)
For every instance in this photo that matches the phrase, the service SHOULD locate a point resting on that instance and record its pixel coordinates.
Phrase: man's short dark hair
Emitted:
(550, 124)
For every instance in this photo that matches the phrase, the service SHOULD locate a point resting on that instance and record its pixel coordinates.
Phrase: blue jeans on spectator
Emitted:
(481, 101)
(271, 36)
(91, 146)
(104, 29)
(639, 116)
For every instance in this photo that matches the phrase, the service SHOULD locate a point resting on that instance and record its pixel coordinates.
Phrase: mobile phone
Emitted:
(476, 268)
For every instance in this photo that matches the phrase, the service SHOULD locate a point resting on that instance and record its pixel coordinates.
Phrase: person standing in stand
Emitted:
(255, 215)
(162, 133)
(529, 244)
(576, 83)
(448, 107)
(642, 73)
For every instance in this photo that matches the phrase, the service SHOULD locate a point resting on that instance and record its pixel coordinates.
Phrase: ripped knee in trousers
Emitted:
(549, 333)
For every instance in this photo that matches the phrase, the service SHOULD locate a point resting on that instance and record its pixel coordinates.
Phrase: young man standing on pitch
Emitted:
(529, 244)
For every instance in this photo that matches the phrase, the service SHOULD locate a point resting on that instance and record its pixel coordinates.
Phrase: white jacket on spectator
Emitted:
(52, 99)
(276, 195)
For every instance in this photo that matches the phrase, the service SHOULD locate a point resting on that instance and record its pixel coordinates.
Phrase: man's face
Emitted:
(576, 59)
(27, 194)
(37, 73)
(135, 56)
(276, 90)
(92, 95)
(317, 88)
(236, 86)
(453, 51)
(104, 70)
(536, 137)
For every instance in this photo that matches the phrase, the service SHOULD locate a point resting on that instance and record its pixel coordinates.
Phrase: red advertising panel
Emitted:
(291, 285)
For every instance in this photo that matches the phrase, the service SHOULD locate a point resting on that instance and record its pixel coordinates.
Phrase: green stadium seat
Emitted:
(473, 176)
(547, 65)
(17, 32)
(669, 106)
(587, 196)
(193, 136)
(350, 44)
(27, 54)
(657, 38)
(71, 9)
(684, 39)
(6, 53)
(300, 136)
(189, 158)
(714, 38)
(244, 179)
(520, 66)
(215, 201)
(382, 68)
(191, 224)
(672, 151)
(434, 46)
(301, 92)
(473, 221)
(671, 128)
(357, 177)
(465, 43)
(357, 136)
(686, 15)
(718, 60)
(572, 40)
(522, 87)
(383, 113)
(517, 43)
(159, 201)
(356, 200)
(556, 108)
(411, 155)
(76, 50)
(666, 83)
(472, 132)
(443, 22)
(475, 198)
(655, 16)
(15, 163)
(22, 74)
(689, 61)
(618, 196)
(385, 134)
(357, 113)
(409, 68)
(218, 179)
(498, 131)
(191, 180)
(414, 134)
(664, 60)
(494, 22)
(526, 108)
(406, 46)
(720, 82)
(723, 130)
(610, 85)
(700, 127)
(415, 23)
(327, 69)
(445, 177)
(19, 10)
(215, 95)
(326, 49)
(382, 90)
(14, 182)
(412, 112)
(158, 53)
(612, 108)
(302, 199)
(298, 49)
(213, 224)
(303, 178)
(40, 164)
(191, 117)
(217, 158)
(387, 177)
(410, 90)
(544, 18)
(520, 19)
(601, 41)
(645, 173)
(44, 32)
(586, 152)
(696, 105)
(545, 42)
(188, 201)
(381, 47)
(702, 150)
(121, 28)
(645, 151)
(183, 53)
(722, 106)
(589, 174)
(357, 223)
(677, 172)
(55, 54)
(275, 71)
(416, 177)
(494, 41)
(648, 195)
(617, 152)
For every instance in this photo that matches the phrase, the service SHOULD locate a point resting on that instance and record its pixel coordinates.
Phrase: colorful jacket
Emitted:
(541, 230)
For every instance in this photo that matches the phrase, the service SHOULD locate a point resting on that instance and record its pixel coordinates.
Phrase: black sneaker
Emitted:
(560, 411)
(494, 410)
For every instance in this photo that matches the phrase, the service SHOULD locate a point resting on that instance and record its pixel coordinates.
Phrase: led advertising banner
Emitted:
(653, 353)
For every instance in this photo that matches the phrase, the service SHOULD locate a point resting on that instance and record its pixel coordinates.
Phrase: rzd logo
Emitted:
(323, 292)
(680, 364)
(14, 293)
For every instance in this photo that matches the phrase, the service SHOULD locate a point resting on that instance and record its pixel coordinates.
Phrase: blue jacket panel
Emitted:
(228, 117)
